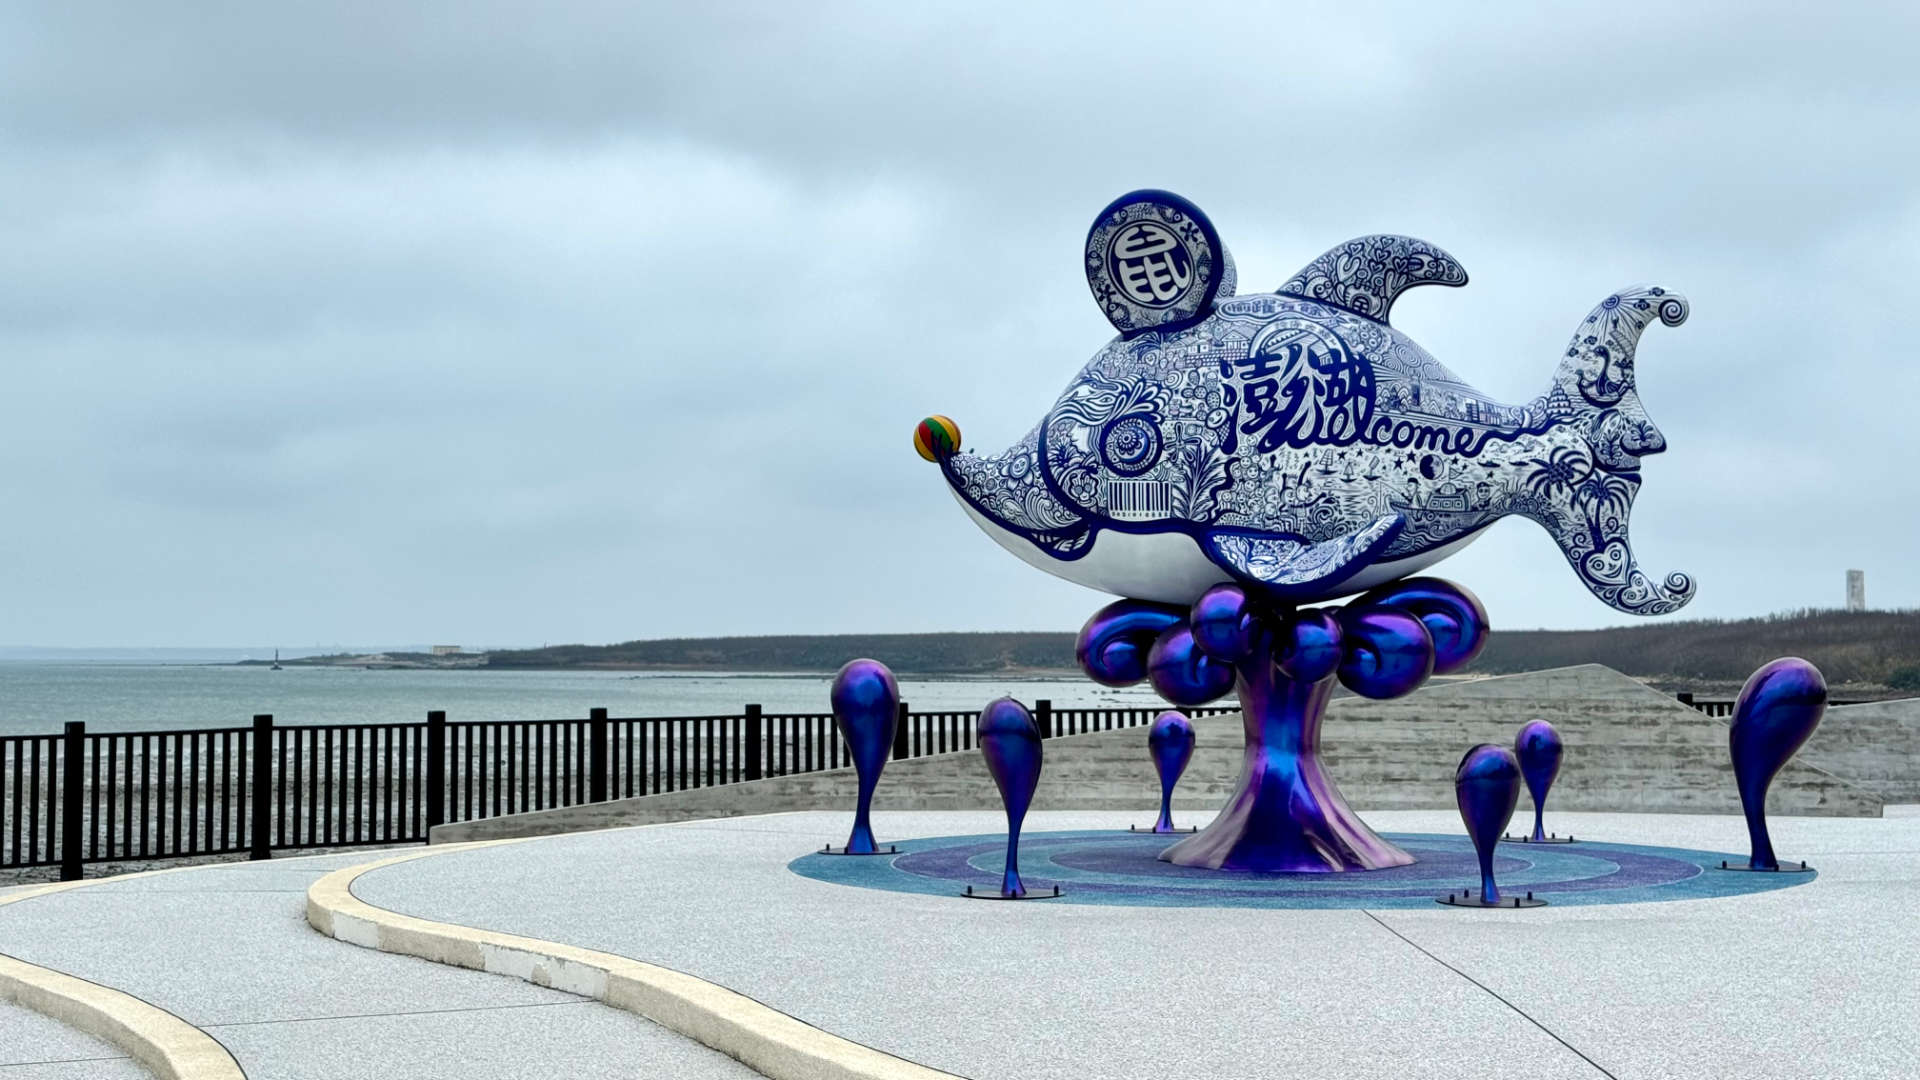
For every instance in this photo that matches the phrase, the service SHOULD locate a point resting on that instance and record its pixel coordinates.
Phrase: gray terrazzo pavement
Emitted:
(34, 1046)
(122, 1069)
(227, 948)
(1811, 981)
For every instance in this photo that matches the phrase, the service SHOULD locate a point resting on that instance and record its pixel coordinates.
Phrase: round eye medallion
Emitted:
(1130, 445)
(1150, 264)
(1154, 262)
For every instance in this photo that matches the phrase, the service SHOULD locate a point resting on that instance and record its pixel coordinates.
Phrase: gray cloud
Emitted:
(508, 323)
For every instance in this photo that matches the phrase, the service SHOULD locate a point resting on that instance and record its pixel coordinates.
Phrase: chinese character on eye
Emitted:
(1150, 264)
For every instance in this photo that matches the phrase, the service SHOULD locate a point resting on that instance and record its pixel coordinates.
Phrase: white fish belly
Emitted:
(1170, 568)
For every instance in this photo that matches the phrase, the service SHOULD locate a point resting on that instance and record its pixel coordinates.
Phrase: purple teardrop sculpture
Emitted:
(1171, 741)
(1776, 712)
(1487, 788)
(1539, 749)
(866, 706)
(1010, 742)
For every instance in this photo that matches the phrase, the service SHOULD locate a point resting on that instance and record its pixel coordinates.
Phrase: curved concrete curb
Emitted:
(168, 1046)
(765, 1039)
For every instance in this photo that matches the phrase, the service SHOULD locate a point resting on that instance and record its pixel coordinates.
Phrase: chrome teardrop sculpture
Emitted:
(866, 709)
(1776, 713)
(1170, 741)
(1486, 786)
(1010, 742)
(1539, 750)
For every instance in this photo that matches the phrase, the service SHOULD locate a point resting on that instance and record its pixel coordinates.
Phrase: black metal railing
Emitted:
(79, 797)
(1723, 707)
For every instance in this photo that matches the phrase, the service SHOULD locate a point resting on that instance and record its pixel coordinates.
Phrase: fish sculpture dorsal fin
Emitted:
(1366, 274)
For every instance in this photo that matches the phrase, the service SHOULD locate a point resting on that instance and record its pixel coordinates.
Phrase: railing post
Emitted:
(262, 831)
(597, 755)
(436, 768)
(1043, 717)
(73, 748)
(900, 725)
(754, 750)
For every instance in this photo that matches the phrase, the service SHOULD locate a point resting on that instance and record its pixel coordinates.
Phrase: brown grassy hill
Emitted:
(1848, 647)
(1874, 647)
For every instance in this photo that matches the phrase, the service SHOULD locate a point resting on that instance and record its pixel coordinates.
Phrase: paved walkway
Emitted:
(227, 948)
(1809, 981)
(33, 1047)
(1815, 980)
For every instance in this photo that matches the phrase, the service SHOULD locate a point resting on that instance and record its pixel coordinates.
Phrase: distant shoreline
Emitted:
(1710, 689)
(671, 671)
(1864, 653)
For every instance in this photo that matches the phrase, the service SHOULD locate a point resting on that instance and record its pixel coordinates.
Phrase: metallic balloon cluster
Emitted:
(1286, 813)
(1382, 645)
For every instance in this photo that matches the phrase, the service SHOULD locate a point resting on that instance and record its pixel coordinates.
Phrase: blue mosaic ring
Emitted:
(1118, 869)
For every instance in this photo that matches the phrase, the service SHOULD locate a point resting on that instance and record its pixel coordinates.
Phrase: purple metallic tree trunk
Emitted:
(1286, 814)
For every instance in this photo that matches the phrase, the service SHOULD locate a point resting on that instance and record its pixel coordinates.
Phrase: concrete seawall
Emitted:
(1629, 748)
(1876, 745)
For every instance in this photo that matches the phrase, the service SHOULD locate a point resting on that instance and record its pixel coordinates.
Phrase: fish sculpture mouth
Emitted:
(1297, 444)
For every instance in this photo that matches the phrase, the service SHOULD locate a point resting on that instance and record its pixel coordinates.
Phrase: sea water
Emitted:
(39, 697)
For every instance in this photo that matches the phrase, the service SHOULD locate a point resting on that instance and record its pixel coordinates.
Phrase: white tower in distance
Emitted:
(1856, 590)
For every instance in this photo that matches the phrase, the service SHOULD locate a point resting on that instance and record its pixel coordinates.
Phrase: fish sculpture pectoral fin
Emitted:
(1287, 568)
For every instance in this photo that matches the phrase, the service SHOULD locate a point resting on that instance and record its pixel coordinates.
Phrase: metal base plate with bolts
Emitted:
(889, 850)
(1169, 832)
(1470, 898)
(1551, 838)
(1032, 894)
(1800, 867)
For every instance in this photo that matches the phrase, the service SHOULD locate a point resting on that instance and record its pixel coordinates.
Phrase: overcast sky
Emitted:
(519, 323)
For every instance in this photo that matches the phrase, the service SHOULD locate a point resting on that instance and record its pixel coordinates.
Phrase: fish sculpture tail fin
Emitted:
(1582, 490)
(1597, 371)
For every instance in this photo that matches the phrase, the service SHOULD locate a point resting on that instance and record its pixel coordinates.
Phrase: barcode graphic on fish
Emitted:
(1138, 500)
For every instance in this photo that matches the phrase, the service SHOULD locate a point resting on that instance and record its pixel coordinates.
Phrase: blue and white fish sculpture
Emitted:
(1298, 444)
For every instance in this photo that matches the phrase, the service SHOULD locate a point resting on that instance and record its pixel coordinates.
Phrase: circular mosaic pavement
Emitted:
(1119, 868)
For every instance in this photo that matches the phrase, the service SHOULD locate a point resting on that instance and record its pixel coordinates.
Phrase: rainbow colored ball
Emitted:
(937, 438)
